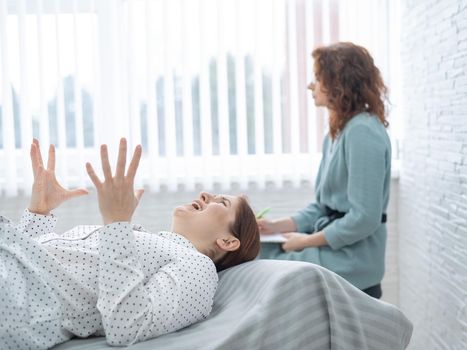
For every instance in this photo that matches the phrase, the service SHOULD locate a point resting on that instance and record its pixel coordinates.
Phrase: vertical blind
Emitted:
(214, 90)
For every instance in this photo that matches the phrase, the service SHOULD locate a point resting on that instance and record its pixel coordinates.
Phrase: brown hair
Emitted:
(245, 228)
(352, 83)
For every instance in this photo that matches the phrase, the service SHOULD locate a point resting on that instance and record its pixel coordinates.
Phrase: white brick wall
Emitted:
(433, 179)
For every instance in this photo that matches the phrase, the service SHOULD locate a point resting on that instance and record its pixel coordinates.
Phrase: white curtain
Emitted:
(214, 90)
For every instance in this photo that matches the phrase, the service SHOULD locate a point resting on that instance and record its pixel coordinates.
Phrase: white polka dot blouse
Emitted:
(117, 280)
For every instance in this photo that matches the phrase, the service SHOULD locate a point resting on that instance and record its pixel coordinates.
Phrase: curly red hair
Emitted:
(352, 83)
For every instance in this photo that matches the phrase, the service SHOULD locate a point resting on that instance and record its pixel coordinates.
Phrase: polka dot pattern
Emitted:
(30, 314)
(4, 220)
(118, 280)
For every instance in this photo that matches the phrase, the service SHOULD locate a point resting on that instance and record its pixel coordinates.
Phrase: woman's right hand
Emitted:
(47, 193)
(266, 227)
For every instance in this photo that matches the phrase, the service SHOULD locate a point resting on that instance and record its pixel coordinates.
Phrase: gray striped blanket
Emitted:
(270, 304)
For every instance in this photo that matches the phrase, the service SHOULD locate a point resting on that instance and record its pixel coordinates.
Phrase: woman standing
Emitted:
(344, 229)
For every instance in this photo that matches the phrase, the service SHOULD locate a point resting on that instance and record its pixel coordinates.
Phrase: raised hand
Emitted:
(47, 193)
(117, 198)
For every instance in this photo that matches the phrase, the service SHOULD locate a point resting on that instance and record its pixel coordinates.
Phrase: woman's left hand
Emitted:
(295, 241)
(117, 198)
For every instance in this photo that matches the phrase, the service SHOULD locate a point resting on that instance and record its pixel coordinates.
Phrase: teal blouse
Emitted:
(354, 178)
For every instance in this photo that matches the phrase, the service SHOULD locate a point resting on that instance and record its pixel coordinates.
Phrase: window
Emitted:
(214, 90)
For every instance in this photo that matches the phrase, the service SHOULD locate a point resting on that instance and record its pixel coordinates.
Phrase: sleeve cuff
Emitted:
(334, 240)
(37, 223)
(300, 222)
(303, 222)
(31, 214)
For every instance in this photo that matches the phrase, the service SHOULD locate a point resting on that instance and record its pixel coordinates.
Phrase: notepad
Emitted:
(273, 238)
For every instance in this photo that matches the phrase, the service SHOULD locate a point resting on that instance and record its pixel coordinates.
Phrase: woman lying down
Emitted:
(117, 280)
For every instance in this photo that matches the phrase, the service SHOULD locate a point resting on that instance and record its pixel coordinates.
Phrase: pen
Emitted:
(263, 212)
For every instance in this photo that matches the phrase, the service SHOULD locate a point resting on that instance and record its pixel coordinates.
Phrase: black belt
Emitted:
(334, 214)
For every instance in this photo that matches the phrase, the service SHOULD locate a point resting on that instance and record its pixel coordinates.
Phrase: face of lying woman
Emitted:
(207, 217)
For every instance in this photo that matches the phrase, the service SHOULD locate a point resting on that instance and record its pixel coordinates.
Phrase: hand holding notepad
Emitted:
(269, 238)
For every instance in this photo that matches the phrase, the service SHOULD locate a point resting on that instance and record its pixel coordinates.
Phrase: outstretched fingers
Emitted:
(121, 161)
(34, 159)
(134, 163)
(92, 175)
(76, 193)
(105, 163)
(139, 194)
(51, 159)
(39, 155)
